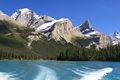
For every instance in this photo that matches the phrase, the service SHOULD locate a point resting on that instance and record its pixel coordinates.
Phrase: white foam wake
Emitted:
(46, 74)
(94, 75)
(7, 76)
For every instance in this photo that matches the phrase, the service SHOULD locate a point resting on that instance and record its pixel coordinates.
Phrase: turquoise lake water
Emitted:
(59, 70)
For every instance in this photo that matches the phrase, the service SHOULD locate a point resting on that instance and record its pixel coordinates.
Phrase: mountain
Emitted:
(98, 38)
(29, 18)
(27, 35)
(116, 38)
(44, 38)
(60, 30)
(24, 41)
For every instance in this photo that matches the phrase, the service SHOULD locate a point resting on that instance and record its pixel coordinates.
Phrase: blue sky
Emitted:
(104, 15)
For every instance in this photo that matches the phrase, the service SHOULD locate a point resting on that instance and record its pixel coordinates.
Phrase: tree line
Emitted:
(17, 54)
(110, 53)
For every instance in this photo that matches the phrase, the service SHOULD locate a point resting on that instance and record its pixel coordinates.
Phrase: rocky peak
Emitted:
(25, 12)
(116, 38)
(29, 18)
(25, 16)
(99, 38)
(117, 35)
(86, 27)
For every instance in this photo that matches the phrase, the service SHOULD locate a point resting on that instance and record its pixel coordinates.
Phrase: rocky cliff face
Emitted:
(61, 29)
(64, 30)
(99, 38)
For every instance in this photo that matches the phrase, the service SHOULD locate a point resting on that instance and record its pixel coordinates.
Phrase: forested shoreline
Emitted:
(110, 53)
(17, 54)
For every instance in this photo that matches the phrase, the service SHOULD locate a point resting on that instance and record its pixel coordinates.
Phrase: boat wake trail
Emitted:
(93, 75)
(46, 73)
(7, 76)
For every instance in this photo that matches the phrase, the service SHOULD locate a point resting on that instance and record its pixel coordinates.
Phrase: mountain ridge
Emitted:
(58, 29)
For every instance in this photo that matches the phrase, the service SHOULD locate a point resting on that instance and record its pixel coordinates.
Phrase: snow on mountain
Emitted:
(48, 25)
(90, 34)
(29, 18)
(25, 16)
(87, 29)
(117, 35)
(55, 29)
(24, 11)
(116, 38)
(59, 30)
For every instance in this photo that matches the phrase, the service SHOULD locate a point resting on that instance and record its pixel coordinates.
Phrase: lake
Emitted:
(59, 70)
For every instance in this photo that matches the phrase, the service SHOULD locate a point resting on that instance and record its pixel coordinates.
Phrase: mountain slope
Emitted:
(4, 16)
(14, 39)
(59, 30)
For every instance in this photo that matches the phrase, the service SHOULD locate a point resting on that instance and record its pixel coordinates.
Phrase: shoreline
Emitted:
(56, 60)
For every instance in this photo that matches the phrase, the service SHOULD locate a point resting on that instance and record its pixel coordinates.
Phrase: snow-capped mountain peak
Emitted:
(99, 38)
(24, 11)
(117, 35)
(87, 29)
(116, 38)
(27, 17)
(85, 26)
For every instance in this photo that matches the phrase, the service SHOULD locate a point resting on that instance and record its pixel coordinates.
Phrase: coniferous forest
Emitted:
(110, 53)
